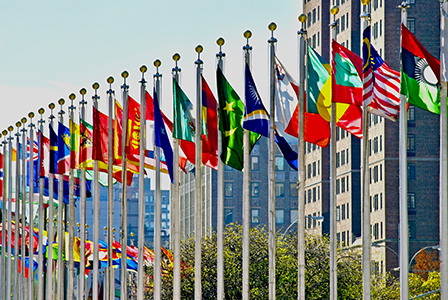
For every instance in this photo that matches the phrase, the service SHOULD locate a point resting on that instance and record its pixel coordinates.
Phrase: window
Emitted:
(279, 216)
(338, 213)
(314, 16)
(318, 193)
(411, 171)
(370, 147)
(381, 172)
(228, 213)
(314, 220)
(314, 41)
(348, 238)
(343, 211)
(411, 25)
(343, 238)
(318, 38)
(347, 183)
(309, 147)
(342, 157)
(343, 185)
(381, 200)
(293, 192)
(411, 200)
(309, 19)
(381, 27)
(337, 187)
(381, 143)
(338, 162)
(370, 203)
(279, 190)
(338, 238)
(309, 222)
(411, 143)
(411, 113)
(412, 230)
(255, 216)
(314, 169)
(375, 174)
(318, 167)
(254, 163)
(348, 211)
(375, 202)
(309, 170)
(318, 13)
(343, 23)
(279, 163)
(337, 133)
(228, 189)
(346, 155)
(375, 145)
(294, 215)
(255, 189)
(314, 195)
(309, 196)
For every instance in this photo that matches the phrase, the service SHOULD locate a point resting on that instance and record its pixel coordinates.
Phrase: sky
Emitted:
(50, 49)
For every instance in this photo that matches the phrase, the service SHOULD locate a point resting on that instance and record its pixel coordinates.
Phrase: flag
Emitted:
(348, 116)
(100, 136)
(63, 149)
(346, 75)
(160, 136)
(381, 84)
(1, 175)
(44, 152)
(256, 118)
(210, 122)
(317, 130)
(133, 134)
(184, 128)
(74, 145)
(53, 151)
(420, 74)
(290, 155)
(231, 111)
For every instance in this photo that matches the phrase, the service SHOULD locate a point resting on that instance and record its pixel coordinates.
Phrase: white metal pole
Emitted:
(301, 163)
(271, 204)
(246, 189)
(404, 230)
(158, 200)
(365, 19)
(124, 200)
(198, 180)
(72, 214)
(110, 194)
(175, 204)
(333, 229)
(31, 216)
(96, 213)
(24, 283)
(16, 215)
(443, 151)
(50, 234)
(9, 271)
(4, 211)
(141, 187)
(220, 208)
(40, 260)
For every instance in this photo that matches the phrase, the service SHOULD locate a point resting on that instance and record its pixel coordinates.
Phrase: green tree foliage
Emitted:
(316, 276)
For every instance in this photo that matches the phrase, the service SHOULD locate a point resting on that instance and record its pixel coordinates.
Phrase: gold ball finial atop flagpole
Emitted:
(83, 91)
(199, 49)
(10, 128)
(220, 42)
(176, 56)
(143, 69)
(272, 26)
(302, 18)
(61, 101)
(41, 111)
(51, 106)
(72, 96)
(247, 34)
(132, 234)
(125, 74)
(110, 80)
(334, 10)
(365, 2)
(5, 132)
(18, 124)
(96, 86)
(23, 120)
(157, 63)
(31, 115)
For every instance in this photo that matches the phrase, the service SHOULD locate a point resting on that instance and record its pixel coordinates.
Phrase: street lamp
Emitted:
(374, 244)
(315, 218)
(424, 248)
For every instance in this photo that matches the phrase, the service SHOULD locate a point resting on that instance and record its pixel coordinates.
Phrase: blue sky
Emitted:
(49, 49)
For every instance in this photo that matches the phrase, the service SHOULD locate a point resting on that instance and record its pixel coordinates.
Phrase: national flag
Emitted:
(74, 144)
(210, 122)
(100, 136)
(161, 139)
(317, 130)
(256, 117)
(346, 75)
(43, 149)
(381, 84)
(63, 149)
(184, 123)
(133, 134)
(290, 155)
(348, 116)
(420, 74)
(53, 151)
(1, 175)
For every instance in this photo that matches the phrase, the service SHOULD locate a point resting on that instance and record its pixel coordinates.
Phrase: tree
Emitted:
(426, 262)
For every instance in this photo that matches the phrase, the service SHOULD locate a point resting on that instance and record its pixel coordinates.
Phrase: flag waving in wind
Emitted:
(63, 149)
(161, 139)
(210, 121)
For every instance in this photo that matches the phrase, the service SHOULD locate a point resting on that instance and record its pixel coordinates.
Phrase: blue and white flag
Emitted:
(290, 155)
(256, 117)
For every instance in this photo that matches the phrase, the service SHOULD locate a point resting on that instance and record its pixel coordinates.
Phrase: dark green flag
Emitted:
(231, 112)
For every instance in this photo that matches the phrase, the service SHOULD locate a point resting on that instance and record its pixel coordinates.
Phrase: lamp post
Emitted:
(315, 218)
(424, 248)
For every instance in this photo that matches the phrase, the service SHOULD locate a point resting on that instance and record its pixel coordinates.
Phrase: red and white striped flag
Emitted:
(381, 84)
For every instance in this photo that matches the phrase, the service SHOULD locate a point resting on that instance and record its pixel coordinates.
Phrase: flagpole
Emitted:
(246, 190)
(198, 179)
(5, 170)
(9, 271)
(40, 260)
(96, 211)
(158, 199)
(71, 224)
(30, 218)
(366, 240)
(110, 192)
(220, 209)
(404, 229)
(24, 283)
(175, 204)
(50, 233)
(301, 163)
(17, 214)
(443, 151)
(141, 187)
(82, 209)
(271, 205)
(124, 200)
(333, 252)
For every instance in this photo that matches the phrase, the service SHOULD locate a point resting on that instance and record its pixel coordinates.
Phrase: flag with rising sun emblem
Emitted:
(63, 149)
(420, 73)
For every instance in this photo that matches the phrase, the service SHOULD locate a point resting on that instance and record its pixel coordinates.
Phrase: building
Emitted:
(423, 137)
(132, 213)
